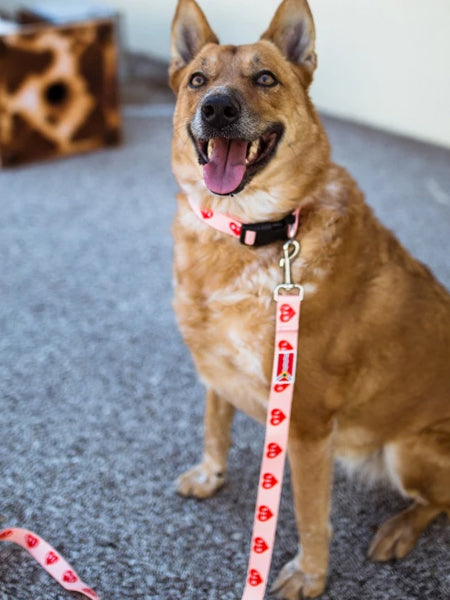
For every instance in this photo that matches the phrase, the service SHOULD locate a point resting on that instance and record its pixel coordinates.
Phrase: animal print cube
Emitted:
(58, 91)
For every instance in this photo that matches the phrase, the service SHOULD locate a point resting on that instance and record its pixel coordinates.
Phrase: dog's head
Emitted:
(244, 127)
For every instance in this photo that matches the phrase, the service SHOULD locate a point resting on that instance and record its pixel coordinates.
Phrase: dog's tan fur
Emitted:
(373, 375)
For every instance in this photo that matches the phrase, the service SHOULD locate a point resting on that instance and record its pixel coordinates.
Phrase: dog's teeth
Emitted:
(253, 151)
(210, 148)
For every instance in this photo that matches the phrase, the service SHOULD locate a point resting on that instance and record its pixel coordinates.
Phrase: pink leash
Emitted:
(49, 559)
(277, 430)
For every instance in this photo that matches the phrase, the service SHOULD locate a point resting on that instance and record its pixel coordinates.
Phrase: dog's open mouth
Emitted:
(229, 164)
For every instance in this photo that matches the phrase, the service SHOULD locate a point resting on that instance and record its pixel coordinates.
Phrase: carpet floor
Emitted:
(100, 408)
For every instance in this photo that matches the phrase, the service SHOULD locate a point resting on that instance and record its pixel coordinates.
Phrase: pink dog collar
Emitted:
(250, 234)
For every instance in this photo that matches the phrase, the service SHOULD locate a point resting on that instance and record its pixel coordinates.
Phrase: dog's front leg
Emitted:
(208, 476)
(311, 462)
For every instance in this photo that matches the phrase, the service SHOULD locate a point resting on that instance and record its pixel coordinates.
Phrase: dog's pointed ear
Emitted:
(190, 32)
(292, 31)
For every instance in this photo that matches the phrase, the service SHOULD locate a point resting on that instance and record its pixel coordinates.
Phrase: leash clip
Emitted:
(291, 249)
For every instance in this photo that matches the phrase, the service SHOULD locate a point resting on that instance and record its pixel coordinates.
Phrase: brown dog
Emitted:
(373, 377)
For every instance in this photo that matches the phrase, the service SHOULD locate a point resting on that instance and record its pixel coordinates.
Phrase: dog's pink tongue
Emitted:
(226, 168)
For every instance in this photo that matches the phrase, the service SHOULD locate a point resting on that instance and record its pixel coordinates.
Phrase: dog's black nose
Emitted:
(220, 110)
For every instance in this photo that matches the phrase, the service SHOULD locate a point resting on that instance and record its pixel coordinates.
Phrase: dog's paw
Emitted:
(202, 481)
(393, 540)
(293, 584)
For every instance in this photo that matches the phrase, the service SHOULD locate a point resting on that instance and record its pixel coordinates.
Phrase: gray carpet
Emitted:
(100, 405)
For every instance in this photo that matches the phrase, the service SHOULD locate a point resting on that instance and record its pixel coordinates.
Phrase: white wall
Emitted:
(386, 62)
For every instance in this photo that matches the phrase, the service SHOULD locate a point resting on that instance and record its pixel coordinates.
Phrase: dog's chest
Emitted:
(226, 313)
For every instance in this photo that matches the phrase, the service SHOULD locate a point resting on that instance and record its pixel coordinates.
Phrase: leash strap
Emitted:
(49, 559)
(277, 431)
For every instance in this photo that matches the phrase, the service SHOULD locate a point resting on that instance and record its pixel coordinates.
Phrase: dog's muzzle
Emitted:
(232, 143)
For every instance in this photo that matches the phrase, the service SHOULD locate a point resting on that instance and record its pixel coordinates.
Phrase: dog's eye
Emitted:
(197, 80)
(266, 79)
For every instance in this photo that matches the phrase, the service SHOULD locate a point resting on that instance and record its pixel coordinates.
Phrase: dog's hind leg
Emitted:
(397, 537)
(203, 480)
(421, 467)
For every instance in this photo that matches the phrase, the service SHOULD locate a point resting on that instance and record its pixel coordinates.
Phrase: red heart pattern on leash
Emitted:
(273, 450)
(280, 387)
(278, 417)
(70, 577)
(269, 481)
(260, 546)
(235, 228)
(207, 213)
(31, 541)
(6, 534)
(287, 313)
(264, 514)
(285, 346)
(255, 578)
(51, 558)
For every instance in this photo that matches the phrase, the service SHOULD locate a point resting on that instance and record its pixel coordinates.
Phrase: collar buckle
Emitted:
(261, 234)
